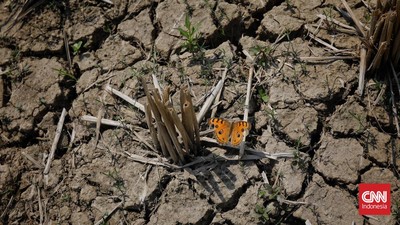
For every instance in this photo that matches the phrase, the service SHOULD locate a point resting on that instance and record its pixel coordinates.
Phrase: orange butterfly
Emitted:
(225, 130)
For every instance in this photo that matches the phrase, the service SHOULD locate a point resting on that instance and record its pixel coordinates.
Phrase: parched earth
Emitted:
(311, 110)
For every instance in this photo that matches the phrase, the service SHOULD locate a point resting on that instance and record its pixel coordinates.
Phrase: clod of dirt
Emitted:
(244, 211)
(86, 23)
(135, 7)
(116, 53)
(47, 37)
(380, 175)
(139, 29)
(87, 79)
(273, 145)
(86, 61)
(282, 94)
(5, 56)
(30, 98)
(86, 103)
(229, 18)
(330, 162)
(324, 82)
(80, 218)
(181, 204)
(278, 21)
(298, 124)
(348, 119)
(292, 176)
(325, 201)
(256, 6)
(379, 116)
(5, 176)
(377, 145)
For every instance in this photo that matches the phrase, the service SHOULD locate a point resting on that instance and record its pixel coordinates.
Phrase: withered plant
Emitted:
(173, 135)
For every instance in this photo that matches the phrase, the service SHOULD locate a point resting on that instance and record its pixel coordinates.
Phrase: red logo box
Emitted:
(374, 199)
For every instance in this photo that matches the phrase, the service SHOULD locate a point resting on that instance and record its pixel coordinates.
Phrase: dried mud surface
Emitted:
(339, 139)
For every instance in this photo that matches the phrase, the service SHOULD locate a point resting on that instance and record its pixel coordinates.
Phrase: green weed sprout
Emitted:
(191, 36)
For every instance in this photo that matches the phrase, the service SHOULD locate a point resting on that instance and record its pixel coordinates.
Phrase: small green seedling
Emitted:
(65, 73)
(191, 36)
(262, 94)
(76, 47)
(263, 55)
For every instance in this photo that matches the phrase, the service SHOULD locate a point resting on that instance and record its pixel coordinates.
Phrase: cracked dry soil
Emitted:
(338, 138)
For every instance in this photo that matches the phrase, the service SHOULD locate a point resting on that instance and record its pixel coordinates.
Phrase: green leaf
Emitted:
(263, 95)
(259, 209)
(76, 46)
(187, 21)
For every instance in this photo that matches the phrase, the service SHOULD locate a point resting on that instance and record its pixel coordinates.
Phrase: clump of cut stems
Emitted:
(173, 136)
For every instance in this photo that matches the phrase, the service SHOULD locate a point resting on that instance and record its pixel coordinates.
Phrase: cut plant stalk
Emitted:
(177, 137)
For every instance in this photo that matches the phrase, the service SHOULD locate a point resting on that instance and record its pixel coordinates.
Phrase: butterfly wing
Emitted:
(222, 129)
(238, 129)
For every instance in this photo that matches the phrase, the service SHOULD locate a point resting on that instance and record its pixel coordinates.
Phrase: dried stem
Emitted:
(55, 141)
(363, 69)
(152, 129)
(354, 18)
(246, 109)
(107, 122)
(216, 100)
(169, 125)
(126, 98)
(394, 109)
(207, 104)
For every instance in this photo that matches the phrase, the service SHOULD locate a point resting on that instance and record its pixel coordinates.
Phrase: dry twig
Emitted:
(55, 141)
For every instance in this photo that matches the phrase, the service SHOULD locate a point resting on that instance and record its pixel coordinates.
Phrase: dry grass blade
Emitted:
(40, 207)
(395, 78)
(377, 32)
(376, 62)
(394, 108)
(216, 100)
(192, 117)
(177, 136)
(319, 40)
(354, 18)
(108, 1)
(207, 104)
(152, 129)
(162, 133)
(125, 97)
(55, 141)
(108, 122)
(374, 20)
(389, 33)
(66, 45)
(169, 125)
(100, 115)
(185, 114)
(179, 125)
(363, 69)
(323, 59)
(332, 20)
(246, 109)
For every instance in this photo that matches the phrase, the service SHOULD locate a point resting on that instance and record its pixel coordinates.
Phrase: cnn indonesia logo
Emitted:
(374, 199)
